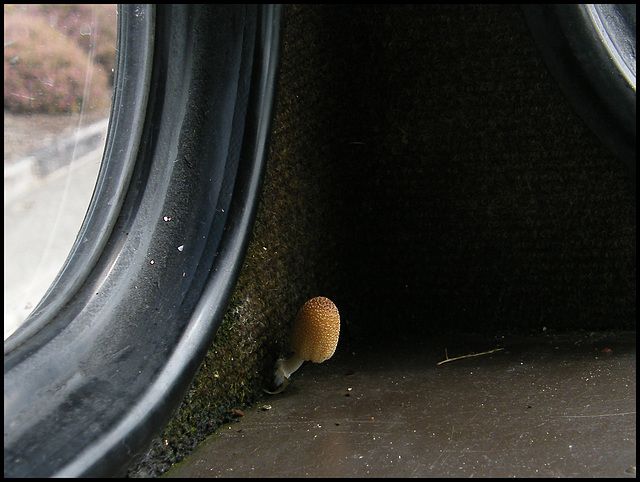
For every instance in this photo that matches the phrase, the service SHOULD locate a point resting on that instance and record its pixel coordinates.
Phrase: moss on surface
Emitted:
(427, 175)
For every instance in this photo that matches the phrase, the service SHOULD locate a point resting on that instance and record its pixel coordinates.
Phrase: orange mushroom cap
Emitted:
(315, 332)
(314, 337)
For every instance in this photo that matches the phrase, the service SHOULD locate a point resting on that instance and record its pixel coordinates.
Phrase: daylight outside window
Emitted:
(58, 75)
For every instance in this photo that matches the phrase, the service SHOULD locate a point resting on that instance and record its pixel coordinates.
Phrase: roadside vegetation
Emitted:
(58, 59)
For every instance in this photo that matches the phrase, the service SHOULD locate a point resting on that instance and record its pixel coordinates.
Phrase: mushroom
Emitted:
(314, 337)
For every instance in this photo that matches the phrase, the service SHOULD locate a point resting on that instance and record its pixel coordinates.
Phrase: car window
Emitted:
(58, 76)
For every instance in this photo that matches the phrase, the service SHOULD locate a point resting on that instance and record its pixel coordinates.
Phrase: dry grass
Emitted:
(51, 60)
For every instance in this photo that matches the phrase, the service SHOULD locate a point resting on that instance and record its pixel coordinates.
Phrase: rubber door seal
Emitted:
(591, 52)
(107, 356)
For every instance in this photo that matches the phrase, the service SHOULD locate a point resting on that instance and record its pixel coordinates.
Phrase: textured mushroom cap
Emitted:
(315, 332)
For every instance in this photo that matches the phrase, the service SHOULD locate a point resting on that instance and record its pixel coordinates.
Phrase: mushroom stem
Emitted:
(285, 368)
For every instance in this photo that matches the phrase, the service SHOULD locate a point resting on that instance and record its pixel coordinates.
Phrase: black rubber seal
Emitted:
(591, 52)
(100, 366)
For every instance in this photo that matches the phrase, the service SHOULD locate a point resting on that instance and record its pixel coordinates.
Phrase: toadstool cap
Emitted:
(316, 329)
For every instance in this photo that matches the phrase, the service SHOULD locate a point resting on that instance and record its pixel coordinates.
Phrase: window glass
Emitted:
(58, 74)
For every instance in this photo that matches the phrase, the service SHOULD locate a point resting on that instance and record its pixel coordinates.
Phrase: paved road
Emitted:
(41, 219)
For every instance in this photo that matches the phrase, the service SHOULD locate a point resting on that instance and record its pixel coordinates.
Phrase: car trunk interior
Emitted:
(428, 175)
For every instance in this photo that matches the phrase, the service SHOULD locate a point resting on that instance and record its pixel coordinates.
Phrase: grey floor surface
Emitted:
(542, 406)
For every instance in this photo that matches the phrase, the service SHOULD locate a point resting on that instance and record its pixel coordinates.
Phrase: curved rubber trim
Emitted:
(590, 50)
(88, 388)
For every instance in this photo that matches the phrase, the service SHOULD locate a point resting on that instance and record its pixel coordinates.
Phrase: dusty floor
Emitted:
(542, 406)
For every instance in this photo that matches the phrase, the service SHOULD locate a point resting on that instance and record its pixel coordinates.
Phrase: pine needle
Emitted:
(447, 359)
